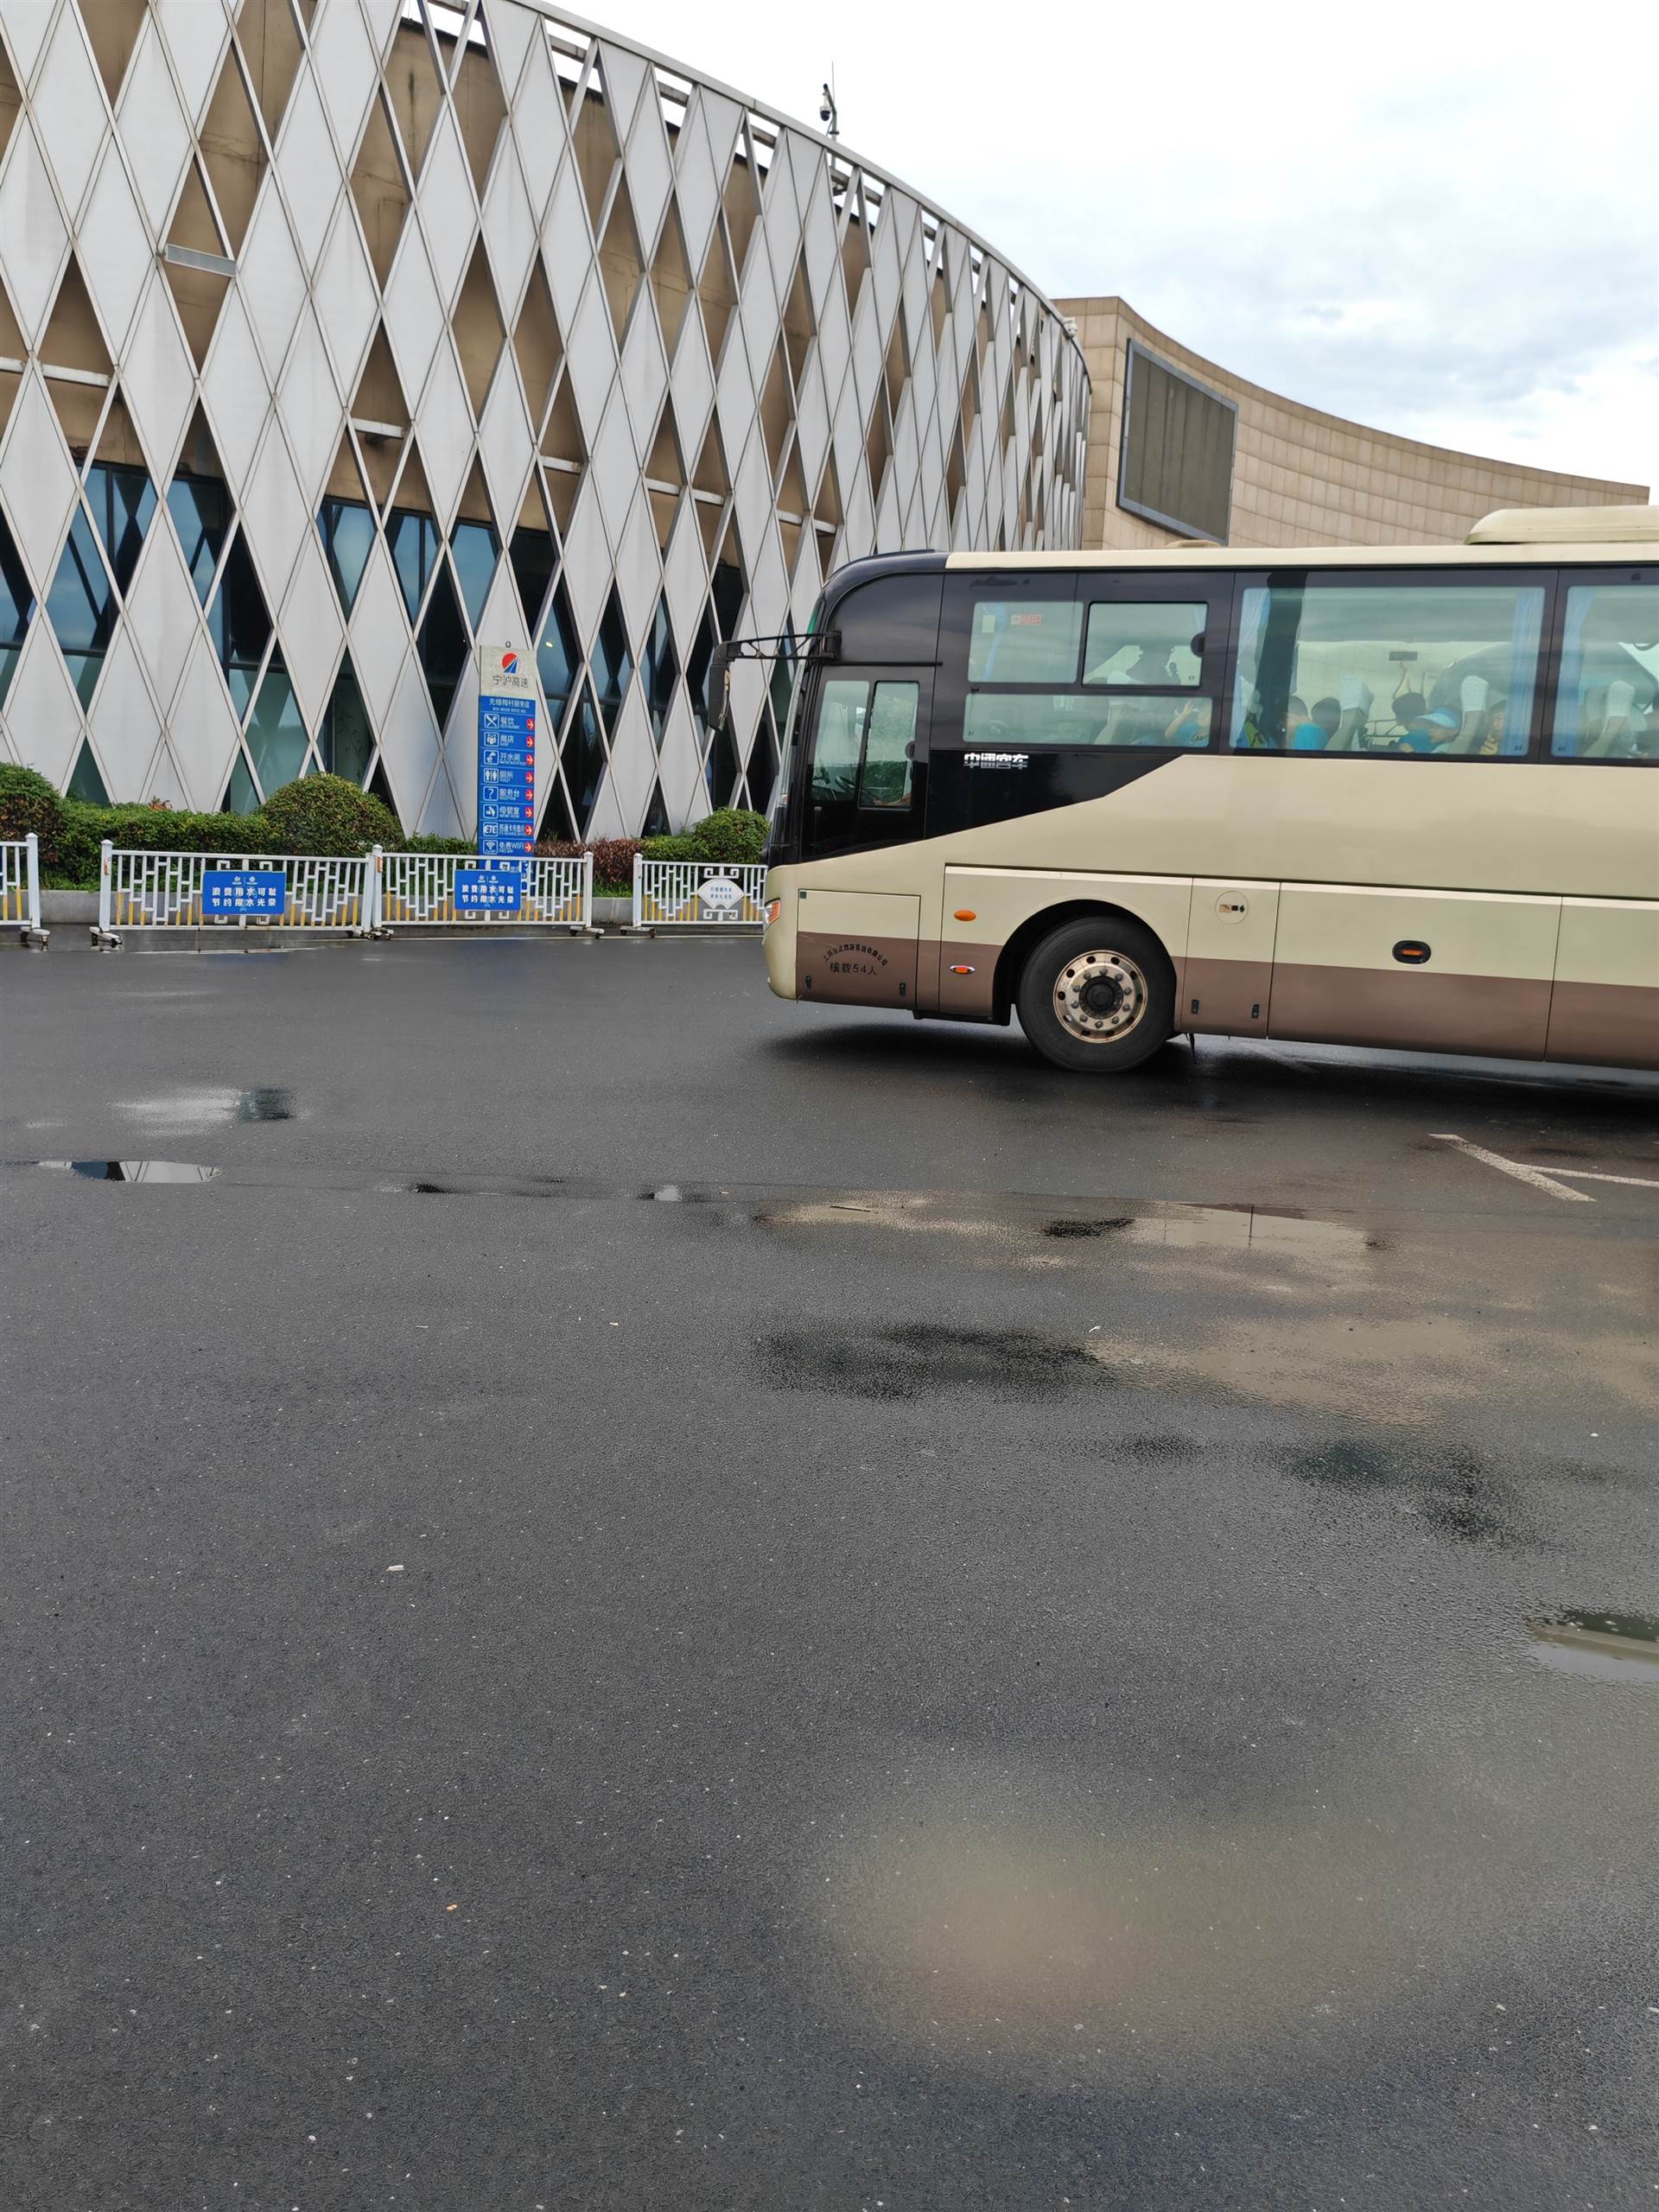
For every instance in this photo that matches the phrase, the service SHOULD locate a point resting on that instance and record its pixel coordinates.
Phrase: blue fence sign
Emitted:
(262, 891)
(489, 890)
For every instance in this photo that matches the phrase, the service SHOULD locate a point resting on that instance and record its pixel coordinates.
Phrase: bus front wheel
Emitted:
(1097, 996)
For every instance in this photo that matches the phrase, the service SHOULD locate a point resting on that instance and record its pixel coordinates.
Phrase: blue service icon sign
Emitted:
(259, 891)
(506, 751)
(489, 890)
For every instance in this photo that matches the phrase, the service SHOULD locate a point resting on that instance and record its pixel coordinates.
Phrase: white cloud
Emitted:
(1442, 219)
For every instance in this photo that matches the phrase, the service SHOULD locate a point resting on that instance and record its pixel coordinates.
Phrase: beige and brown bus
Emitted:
(1405, 796)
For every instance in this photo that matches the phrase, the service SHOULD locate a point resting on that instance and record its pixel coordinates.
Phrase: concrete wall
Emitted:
(1301, 477)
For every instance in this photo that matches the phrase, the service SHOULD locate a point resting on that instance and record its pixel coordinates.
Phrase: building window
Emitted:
(1175, 461)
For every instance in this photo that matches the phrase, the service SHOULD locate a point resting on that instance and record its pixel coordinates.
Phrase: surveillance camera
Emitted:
(825, 112)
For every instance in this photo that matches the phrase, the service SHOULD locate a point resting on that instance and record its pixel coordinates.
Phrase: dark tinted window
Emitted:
(890, 618)
(1176, 464)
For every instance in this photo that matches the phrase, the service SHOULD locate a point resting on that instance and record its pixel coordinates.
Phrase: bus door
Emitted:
(856, 940)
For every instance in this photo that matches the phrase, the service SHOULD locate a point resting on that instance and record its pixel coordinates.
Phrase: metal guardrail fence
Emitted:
(445, 890)
(20, 887)
(670, 894)
(206, 890)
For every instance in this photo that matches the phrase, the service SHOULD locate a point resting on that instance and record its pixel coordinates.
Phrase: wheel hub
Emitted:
(1100, 995)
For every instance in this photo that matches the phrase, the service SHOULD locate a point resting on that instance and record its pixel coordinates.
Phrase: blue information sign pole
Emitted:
(506, 751)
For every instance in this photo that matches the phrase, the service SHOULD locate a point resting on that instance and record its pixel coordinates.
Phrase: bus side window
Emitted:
(1422, 664)
(890, 747)
(1607, 701)
(840, 740)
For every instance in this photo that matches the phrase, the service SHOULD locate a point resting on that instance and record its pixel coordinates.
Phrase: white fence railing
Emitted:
(442, 890)
(670, 894)
(228, 891)
(20, 887)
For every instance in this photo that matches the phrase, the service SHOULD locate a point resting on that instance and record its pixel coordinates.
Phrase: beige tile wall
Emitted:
(1301, 478)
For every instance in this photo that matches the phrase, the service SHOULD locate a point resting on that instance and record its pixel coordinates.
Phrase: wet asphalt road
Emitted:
(987, 1646)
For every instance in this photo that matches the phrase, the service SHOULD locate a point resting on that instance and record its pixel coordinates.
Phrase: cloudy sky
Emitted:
(1442, 219)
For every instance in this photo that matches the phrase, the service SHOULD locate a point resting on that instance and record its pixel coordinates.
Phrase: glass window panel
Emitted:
(347, 527)
(840, 742)
(17, 605)
(122, 499)
(584, 760)
(1023, 641)
(662, 666)
(557, 658)
(696, 672)
(345, 740)
(1436, 665)
(276, 730)
(783, 678)
(1145, 642)
(999, 720)
(444, 646)
(889, 748)
(476, 549)
(612, 663)
(763, 763)
(238, 624)
(413, 539)
(80, 606)
(530, 553)
(656, 823)
(722, 769)
(1607, 702)
(729, 587)
(243, 796)
(201, 509)
(87, 783)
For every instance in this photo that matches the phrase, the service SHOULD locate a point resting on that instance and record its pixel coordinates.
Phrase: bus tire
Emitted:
(1097, 996)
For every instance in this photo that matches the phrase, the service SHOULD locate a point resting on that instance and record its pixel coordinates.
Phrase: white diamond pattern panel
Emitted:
(114, 251)
(305, 164)
(151, 123)
(68, 103)
(294, 330)
(32, 230)
(42, 712)
(124, 723)
(345, 65)
(37, 486)
(202, 728)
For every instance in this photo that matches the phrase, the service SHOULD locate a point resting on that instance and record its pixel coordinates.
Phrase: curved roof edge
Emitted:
(567, 19)
(1203, 366)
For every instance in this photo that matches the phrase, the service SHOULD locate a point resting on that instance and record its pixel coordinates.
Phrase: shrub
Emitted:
(731, 835)
(463, 846)
(28, 802)
(143, 828)
(326, 814)
(682, 848)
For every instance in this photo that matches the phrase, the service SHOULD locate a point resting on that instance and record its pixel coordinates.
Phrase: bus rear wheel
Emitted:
(1097, 996)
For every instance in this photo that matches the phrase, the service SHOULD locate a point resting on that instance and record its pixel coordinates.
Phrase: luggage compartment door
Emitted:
(1227, 981)
(857, 947)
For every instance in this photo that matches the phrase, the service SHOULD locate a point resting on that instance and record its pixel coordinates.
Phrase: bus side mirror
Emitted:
(718, 691)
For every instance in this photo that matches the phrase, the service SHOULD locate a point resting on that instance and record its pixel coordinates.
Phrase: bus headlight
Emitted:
(774, 910)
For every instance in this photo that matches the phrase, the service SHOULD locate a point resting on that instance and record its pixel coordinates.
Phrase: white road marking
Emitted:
(1592, 1175)
(1521, 1171)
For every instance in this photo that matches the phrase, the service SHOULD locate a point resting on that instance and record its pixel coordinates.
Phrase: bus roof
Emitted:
(1518, 536)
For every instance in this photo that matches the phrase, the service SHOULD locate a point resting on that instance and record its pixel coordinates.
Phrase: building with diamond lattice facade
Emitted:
(335, 333)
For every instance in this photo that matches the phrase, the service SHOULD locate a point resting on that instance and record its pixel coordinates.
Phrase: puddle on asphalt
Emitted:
(206, 1109)
(1606, 1647)
(1155, 1221)
(266, 1103)
(132, 1170)
(916, 1359)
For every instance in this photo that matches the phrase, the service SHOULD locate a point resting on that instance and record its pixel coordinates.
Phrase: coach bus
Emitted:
(1400, 796)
